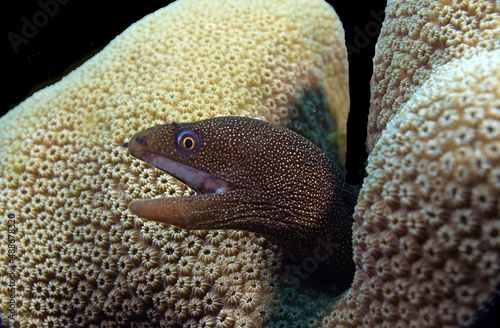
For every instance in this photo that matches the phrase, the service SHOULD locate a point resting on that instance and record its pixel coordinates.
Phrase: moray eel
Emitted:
(252, 175)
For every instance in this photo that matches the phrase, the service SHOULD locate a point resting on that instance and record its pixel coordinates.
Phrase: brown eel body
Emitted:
(255, 176)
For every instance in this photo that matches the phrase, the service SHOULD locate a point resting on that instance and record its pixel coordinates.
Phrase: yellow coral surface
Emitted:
(78, 257)
(418, 37)
(427, 231)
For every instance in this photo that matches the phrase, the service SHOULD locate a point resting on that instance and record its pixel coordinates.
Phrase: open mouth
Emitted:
(201, 182)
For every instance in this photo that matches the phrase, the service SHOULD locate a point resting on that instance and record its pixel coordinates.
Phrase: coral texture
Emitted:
(81, 258)
(418, 37)
(427, 231)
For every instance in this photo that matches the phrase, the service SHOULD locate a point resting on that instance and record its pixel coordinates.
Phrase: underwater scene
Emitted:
(236, 163)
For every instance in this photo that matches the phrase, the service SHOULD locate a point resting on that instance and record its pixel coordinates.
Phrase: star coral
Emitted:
(427, 222)
(418, 37)
(81, 257)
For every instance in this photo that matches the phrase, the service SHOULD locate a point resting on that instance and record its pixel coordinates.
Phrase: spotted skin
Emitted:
(255, 176)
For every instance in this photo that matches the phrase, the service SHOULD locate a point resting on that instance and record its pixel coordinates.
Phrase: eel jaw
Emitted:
(201, 182)
(192, 212)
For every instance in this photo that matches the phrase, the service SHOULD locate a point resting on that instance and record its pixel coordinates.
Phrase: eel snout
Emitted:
(201, 182)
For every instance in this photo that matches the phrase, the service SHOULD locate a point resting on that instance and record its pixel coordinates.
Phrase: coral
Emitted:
(67, 181)
(424, 240)
(417, 38)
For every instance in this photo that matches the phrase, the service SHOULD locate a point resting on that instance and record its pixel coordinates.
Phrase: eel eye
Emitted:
(188, 141)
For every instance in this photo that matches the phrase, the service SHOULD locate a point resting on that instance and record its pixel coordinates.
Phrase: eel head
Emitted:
(250, 175)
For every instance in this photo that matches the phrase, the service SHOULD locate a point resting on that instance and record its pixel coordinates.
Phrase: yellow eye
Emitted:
(187, 141)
